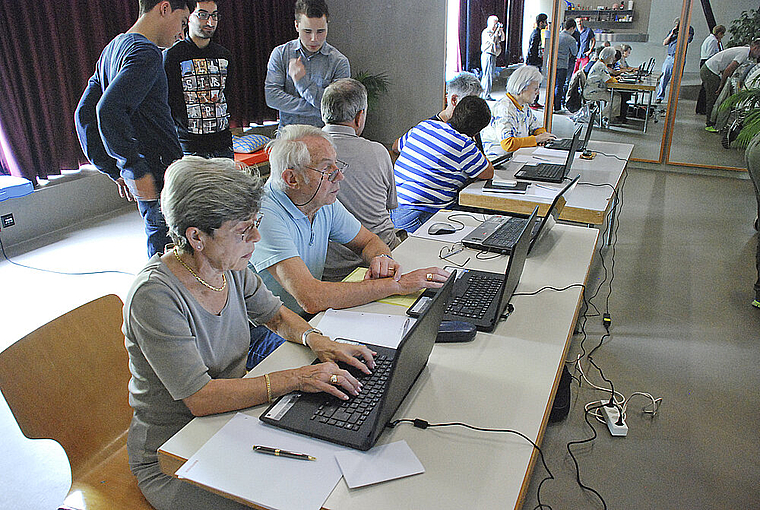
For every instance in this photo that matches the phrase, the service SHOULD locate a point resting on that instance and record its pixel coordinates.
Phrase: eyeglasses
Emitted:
(247, 232)
(338, 166)
(204, 15)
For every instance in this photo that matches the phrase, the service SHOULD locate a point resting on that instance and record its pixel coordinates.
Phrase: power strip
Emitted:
(616, 425)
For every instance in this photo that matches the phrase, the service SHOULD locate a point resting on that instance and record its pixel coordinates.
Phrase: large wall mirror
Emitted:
(674, 132)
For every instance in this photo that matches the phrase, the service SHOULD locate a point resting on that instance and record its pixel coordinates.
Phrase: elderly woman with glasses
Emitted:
(514, 125)
(186, 323)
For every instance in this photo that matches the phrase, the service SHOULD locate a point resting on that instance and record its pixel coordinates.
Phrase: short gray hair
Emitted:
(522, 77)
(343, 100)
(607, 55)
(464, 84)
(205, 193)
(289, 150)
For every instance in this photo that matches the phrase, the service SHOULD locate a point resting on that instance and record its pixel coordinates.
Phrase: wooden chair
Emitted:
(67, 381)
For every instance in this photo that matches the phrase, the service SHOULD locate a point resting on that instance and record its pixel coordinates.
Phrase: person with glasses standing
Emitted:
(198, 71)
(123, 119)
(299, 70)
(302, 213)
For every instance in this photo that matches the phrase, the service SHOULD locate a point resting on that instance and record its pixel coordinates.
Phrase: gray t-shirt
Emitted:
(176, 346)
(368, 191)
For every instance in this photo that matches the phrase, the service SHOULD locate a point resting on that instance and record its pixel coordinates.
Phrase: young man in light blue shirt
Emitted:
(299, 70)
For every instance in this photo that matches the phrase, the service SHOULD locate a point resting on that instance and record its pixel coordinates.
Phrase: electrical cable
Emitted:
(575, 461)
(423, 424)
(2, 250)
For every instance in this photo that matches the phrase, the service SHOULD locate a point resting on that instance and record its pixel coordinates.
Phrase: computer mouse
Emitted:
(440, 228)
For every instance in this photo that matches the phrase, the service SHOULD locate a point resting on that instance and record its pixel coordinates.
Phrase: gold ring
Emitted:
(334, 379)
(429, 277)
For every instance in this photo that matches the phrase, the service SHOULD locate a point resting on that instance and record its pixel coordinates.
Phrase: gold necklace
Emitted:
(201, 280)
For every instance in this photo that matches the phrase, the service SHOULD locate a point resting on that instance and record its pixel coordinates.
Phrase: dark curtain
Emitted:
(473, 15)
(515, 15)
(49, 49)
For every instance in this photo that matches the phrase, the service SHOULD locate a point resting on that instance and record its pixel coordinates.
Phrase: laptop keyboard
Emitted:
(548, 171)
(474, 300)
(561, 144)
(351, 414)
(506, 235)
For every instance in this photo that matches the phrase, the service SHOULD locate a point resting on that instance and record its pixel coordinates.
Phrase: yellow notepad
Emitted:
(357, 275)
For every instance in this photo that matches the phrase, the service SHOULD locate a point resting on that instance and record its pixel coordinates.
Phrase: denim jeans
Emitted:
(560, 88)
(263, 343)
(488, 63)
(667, 72)
(155, 226)
(408, 218)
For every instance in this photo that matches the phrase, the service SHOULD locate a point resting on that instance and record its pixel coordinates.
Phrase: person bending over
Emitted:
(437, 160)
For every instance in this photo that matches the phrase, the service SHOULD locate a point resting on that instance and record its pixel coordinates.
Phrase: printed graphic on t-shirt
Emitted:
(203, 81)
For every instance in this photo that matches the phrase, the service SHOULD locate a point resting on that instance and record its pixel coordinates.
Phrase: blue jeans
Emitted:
(408, 218)
(559, 89)
(667, 72)
(155, 226)
(488, 62)
(263, 343)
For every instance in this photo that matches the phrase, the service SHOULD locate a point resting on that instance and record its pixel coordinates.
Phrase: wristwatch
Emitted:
(307, 333)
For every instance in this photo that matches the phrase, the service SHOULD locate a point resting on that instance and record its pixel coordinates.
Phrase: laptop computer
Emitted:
(564, 144)
(359, 421)
(636, 77)
(481, 297)
(650, 66)
(550, 172)
(500, 233)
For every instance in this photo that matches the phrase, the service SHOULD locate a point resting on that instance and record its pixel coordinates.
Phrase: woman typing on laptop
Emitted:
(514, 125)
(186, 322)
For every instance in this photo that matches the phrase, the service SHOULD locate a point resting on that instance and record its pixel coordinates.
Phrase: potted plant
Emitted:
(744, 29)
(376, 84)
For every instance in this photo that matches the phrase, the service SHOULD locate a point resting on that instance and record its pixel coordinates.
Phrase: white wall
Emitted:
(405, 40)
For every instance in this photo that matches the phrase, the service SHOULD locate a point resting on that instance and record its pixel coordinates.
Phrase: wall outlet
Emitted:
(6, 220)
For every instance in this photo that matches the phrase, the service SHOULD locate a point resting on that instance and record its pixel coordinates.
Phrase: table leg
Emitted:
(649, 107)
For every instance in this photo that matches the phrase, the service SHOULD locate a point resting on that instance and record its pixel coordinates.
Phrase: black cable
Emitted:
(423, 424)
(575, 461)
(2, 249)
(322, 178)
(548, 287)
(611, 156)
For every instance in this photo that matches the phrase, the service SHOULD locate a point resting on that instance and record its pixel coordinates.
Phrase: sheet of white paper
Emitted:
(381, 463)
(365, 327)
(543, 152)
(543, 191)
(521, 158)
(228, 463)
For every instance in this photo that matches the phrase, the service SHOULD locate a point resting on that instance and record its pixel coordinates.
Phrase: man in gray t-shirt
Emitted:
(368, 189)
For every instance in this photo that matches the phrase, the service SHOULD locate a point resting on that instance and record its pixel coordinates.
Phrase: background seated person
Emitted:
(437, 160)
(462, 85)
(596, 85)
(514, 125)
(301, 214)
(368, 190)
(186, 323)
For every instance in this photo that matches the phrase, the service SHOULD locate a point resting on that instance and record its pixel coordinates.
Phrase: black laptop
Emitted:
(637, 77)
(480, 297)
(359, 421)
(564, 144)
(550, 172)
(500, 233)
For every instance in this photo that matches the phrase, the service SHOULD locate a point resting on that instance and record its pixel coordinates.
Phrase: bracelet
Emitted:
(307, 333)
(385, 255)
(269, 388)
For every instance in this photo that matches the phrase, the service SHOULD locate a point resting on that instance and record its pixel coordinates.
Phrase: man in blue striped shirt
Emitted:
(437, 160)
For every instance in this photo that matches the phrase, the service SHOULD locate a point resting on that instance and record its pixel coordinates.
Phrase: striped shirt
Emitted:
(436, 161)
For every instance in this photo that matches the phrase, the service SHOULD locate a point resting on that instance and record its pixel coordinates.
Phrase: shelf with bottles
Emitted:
(597, 16)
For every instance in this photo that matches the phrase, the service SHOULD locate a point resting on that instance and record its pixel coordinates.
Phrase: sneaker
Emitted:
(756, 303)
(536, 106)
(658, 101)
(711, 129)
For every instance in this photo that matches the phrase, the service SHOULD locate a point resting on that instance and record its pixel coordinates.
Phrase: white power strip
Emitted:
(616, 425)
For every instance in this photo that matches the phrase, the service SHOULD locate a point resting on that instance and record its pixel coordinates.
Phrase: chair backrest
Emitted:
(68, 381)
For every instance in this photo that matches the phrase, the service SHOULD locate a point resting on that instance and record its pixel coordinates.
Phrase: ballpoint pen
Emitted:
(282, 453)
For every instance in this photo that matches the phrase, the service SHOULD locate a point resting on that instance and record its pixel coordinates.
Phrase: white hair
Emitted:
(521, 78)
(289, 150)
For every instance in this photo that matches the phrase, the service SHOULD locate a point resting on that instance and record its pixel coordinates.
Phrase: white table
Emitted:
(506, 379)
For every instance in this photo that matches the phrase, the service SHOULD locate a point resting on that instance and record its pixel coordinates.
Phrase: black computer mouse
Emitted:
(441, 228)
